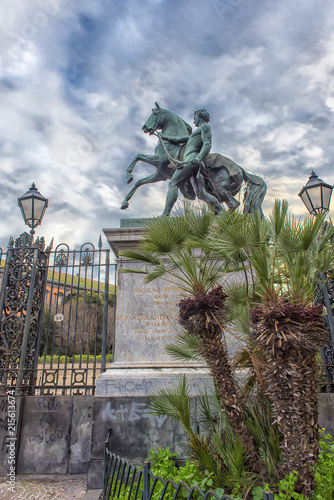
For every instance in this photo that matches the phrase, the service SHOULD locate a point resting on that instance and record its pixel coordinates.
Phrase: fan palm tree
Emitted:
(176, 250)
(284, 258)
(290, 332)
(275, 264)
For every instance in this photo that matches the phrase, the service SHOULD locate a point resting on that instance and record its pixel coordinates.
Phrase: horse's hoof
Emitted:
(129, 179)
(124, 205)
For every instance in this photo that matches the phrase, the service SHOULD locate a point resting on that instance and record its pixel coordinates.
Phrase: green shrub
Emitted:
(323, 475)
(76, 358)
(164, 466)
(324, 469)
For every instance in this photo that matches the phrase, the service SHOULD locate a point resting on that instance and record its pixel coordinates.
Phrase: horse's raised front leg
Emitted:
(150, 159)
(156, 177)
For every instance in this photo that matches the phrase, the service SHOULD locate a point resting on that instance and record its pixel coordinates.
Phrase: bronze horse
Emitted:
(223, 177)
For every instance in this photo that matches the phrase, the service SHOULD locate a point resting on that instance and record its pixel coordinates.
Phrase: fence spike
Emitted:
(100, 242)
(50, 247)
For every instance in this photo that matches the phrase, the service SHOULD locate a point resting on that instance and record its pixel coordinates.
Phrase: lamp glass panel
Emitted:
(27, 208)
(326, 195)
(38, 209)
(315, 195)
(306, 201)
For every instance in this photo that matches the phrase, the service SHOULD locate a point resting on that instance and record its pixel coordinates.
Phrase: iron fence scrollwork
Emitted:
(21, 305)
(57, 316)
(325, 297)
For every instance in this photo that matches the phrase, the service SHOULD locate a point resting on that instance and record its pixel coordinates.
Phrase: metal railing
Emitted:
(56, 317)
(78, 320)
(124, 480)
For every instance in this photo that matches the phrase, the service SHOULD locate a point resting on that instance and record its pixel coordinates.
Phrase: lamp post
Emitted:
(316, 196)
(33, 206)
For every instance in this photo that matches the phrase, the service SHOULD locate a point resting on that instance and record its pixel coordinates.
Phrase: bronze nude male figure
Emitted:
(198, 146)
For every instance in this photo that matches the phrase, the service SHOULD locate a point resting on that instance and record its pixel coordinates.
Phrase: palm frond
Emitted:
(260, 423)
(141, 256)
(278, 217)
(232, 455)
(200, 222)
(158, 271)
(186, 347)
(235, 234)
(175, 403)
(250, 357)
(165, 235)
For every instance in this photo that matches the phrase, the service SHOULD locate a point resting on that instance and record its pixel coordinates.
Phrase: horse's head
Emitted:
(155, 120)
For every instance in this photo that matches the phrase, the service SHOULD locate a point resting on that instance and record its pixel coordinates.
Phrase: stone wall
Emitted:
(55, 435)
(134, 433)
(66, 434)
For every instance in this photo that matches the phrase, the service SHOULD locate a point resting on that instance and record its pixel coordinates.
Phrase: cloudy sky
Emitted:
(79, 78)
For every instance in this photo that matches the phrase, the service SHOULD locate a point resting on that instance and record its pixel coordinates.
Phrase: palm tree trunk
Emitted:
(216, 356)
(291, 335)
(205, 317)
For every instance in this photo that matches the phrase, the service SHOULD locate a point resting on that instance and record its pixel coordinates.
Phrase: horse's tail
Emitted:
(254, 194)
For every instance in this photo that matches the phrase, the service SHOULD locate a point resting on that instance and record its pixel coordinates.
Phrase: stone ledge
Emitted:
(121, 382)
(126, 238)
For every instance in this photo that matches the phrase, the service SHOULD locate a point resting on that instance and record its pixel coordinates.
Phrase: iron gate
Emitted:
(57, 317)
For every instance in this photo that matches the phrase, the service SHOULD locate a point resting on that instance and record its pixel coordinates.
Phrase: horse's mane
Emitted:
(188, 127)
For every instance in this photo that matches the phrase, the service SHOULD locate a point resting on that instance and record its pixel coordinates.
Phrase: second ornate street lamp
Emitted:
(33, 205)
(316, 195)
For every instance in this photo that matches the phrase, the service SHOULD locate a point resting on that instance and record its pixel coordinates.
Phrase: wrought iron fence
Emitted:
(124, 480)
(325, 298)
(57, 316)
(21, 305)
(78, 319)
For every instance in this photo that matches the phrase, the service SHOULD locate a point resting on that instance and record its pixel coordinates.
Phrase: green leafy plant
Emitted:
(164, 466)
(257, 493)
(324, 469)
(287, 488)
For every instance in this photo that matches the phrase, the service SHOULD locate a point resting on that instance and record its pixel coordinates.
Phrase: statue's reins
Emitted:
(173, 161)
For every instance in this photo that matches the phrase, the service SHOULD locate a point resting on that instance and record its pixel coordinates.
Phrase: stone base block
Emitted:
(124, 381)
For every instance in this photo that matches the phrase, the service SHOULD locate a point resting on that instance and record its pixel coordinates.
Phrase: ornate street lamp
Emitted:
(316, 195)
(33, 205)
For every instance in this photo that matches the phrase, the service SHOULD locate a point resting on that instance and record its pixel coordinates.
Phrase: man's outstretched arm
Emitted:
(175, 140)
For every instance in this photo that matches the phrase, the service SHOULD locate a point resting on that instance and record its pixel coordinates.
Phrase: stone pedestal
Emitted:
(146, 320)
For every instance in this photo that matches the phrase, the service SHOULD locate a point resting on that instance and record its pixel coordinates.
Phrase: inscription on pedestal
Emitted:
(146, 318)
(157, 327)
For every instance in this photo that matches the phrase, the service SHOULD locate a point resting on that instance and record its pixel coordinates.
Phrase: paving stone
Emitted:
(43, 487)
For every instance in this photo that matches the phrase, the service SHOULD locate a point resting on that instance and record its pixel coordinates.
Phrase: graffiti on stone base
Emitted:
(131, 413)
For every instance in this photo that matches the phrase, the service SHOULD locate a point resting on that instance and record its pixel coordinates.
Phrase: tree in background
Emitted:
(80, 332)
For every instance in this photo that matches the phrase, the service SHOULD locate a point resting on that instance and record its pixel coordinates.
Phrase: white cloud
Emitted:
(79, 81)
(283, 137)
